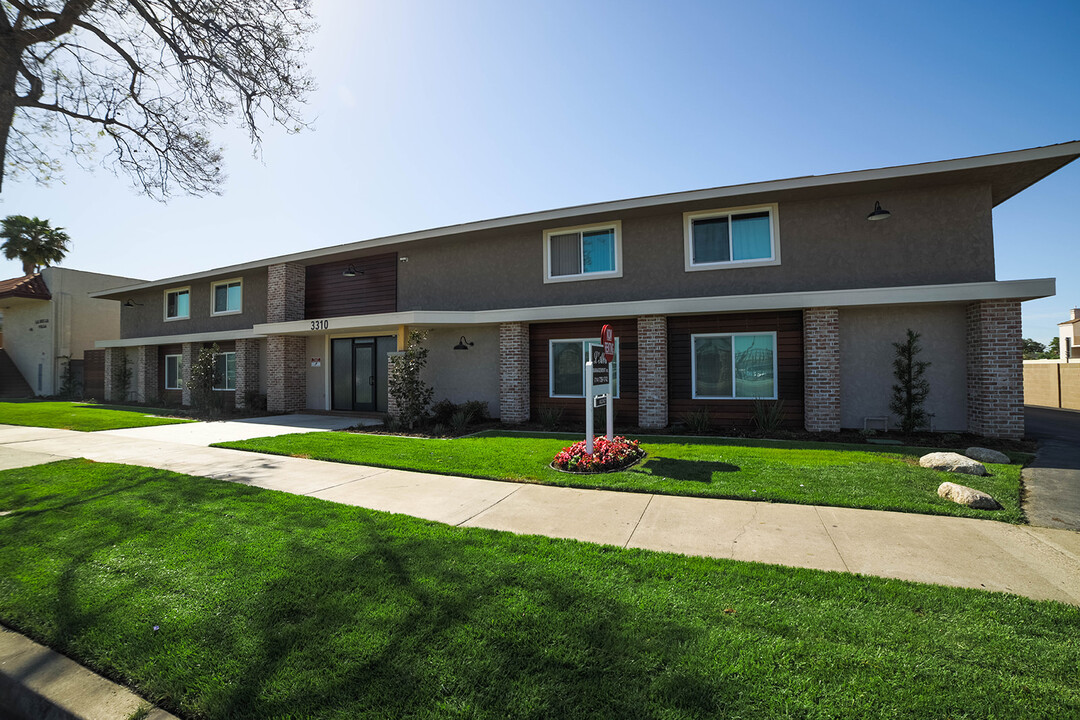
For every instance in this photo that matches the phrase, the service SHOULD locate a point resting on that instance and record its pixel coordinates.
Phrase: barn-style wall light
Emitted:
(879, 213)
(463, 344)
(351, 271)
(132, 303)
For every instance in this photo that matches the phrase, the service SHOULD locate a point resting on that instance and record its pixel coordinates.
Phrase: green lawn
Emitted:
(805, 473)
(80, 416)
(226, 601)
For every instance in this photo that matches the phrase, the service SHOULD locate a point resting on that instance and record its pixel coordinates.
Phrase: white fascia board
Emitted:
(617, 206)
(906, 295)
(173, 339)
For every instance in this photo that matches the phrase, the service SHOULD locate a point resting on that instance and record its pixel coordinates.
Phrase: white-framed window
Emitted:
(226, 297)
(734, 366)
(583, 253)
(178, 304)
(225, 371)
(174, 380)
(737, 237)
(566, 363)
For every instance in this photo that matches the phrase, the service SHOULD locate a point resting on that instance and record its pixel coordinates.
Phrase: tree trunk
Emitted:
(9, 71)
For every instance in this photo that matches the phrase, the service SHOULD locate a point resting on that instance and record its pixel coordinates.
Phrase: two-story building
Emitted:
(790, 290)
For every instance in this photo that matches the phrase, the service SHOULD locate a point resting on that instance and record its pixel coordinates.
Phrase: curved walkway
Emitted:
(1039, 563)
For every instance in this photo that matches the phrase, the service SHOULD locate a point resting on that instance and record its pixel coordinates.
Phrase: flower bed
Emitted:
(618, 454)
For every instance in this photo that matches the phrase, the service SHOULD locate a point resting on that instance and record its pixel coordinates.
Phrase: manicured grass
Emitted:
(805, 473)
(225, 601)
(79, 416)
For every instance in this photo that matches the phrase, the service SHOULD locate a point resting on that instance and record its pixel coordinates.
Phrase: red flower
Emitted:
(618, 453)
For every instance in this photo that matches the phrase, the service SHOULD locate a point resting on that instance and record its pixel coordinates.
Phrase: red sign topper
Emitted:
(607, 339)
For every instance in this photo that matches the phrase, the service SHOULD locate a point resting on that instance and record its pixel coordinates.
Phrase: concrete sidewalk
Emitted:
(1040, 563)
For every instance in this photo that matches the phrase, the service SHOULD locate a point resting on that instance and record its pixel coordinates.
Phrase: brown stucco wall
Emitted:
(935, 235)
(1052, 384)
(148, 319)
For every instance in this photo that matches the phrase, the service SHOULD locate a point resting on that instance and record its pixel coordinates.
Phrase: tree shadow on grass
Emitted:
(700, 471)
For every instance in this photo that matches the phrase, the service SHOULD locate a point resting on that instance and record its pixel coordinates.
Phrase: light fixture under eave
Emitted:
(351, 271)
(132, 303)
(463, 344)
(879, 213)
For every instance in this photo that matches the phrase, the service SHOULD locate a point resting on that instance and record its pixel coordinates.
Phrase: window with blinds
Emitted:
(582, 253)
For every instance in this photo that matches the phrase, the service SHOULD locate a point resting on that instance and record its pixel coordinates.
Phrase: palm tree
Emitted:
(33, 241)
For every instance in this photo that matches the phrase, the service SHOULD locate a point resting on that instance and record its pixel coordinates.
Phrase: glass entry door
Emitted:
(358, 373)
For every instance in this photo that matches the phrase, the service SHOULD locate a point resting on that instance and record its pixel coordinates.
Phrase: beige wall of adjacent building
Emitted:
(43, 332)
(866, 356)
(1052, 383)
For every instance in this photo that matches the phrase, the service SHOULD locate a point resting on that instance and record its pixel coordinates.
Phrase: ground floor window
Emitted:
(172, 372)
(567, 361)
(734, 366)
(225, 371)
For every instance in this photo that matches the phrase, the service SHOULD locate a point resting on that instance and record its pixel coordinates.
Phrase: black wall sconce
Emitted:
(879, 213)
(351, 271)
(463, 344)
(132, 303)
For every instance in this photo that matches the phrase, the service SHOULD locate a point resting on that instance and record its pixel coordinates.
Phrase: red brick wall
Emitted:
(286, 373)
(995, 369)
(821, 362)
(285, 292)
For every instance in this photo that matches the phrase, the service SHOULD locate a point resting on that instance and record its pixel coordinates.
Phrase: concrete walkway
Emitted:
(1040, 563)
(1052, 482)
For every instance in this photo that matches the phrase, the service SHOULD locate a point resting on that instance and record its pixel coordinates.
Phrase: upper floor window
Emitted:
(583, 253)
(177, 305)
(738, 237)
(226, 296)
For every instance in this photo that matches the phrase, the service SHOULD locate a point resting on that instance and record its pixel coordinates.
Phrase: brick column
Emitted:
(514, 372)
(286, 374)
(652, 371)
(391, 398)
(995, 369)
(114, 357)
(146, 372)
(188, 353)
(285, 286)
(247, 370)
(821, 369)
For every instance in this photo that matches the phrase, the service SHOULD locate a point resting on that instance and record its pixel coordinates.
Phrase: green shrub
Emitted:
(550, 417)
(697, 421)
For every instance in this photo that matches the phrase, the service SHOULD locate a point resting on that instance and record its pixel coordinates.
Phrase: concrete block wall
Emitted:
(821, 367)
(652, 371)
(514, 372)
(995, 369)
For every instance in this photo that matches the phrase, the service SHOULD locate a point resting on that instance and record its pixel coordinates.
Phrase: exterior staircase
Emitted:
(12, 383)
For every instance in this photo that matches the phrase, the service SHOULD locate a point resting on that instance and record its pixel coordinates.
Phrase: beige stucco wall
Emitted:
(866, 357)
(461, 375)
(42, 332)
(317, 378)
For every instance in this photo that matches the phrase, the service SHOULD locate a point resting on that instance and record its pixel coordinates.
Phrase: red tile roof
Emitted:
(30, 286)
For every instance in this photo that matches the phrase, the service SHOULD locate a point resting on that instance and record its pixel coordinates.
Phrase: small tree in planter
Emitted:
(203, 378)
(911, 387)
(412, 394)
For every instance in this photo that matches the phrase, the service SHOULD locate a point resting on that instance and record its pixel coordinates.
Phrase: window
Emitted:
(226, 297)
(724, 238)
(173, 379)
(567, 360)
(583, 253)
(737, 366)
(177, 306)
(225, 371)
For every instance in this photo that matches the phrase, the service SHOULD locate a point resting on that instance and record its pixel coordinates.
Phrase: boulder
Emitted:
(987, 455)
(952, 462)
(967, 496)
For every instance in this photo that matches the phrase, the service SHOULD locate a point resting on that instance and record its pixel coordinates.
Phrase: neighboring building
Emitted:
(780, 290)
(1067, 336)
(51, 318)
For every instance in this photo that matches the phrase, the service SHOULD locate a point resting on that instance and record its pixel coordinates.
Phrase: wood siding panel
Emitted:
(330, 294)
(737, 413)
(94, 374)
(626, 410)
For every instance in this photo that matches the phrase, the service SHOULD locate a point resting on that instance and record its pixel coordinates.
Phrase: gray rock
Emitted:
(967, 496)
(986, 455)
(952, 462)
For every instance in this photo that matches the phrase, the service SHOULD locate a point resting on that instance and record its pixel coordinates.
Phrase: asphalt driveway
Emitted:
(1052, 481)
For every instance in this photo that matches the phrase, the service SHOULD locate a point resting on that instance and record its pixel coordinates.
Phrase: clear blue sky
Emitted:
(434, 113)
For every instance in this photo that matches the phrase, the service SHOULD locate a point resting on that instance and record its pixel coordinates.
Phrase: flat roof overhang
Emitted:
(1007, 174)
(906, 295)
